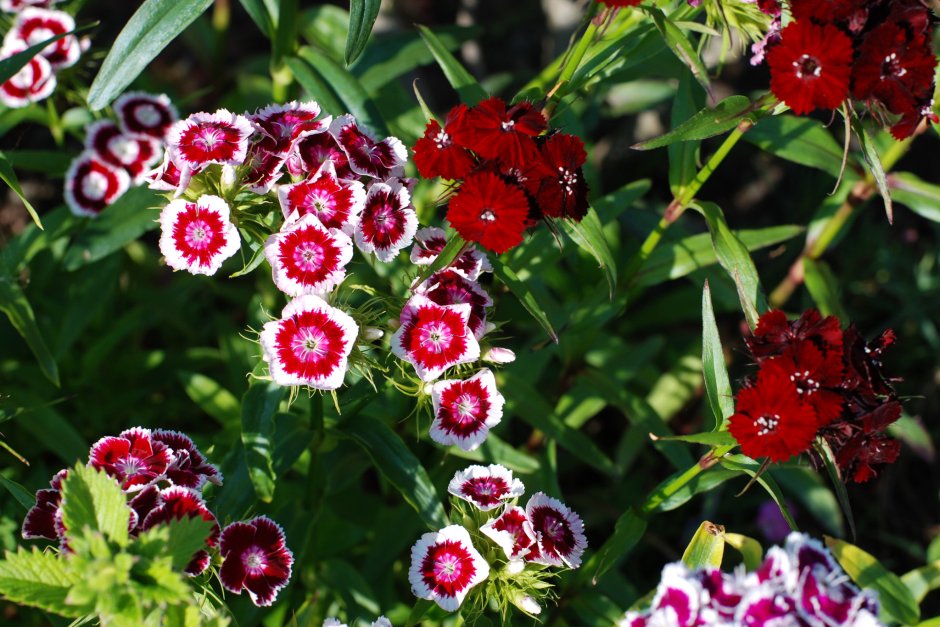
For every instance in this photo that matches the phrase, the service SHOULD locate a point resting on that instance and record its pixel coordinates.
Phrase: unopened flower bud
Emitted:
(499, 355)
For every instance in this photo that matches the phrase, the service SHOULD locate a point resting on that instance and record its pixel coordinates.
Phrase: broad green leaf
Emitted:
(718, 391)
(749, 548)
(39, 579)
(18, 492)
(180, 539)
(911, 431)
(211, 397)
(745, 464)
(14, 304)
(922, 580)
(679, 44)
(152, 27)
(95, 501)
(706, 548)
(711, 438)
(8, 176)
(800, 140)
(897, 601)
(260, 16)
(614, 204)
(630, 527)
(677, 259)
(919, 196)
(122, 222)
(823, 286)
(508, 277)
(689, 99)
(589, 235)
(461, 80)
(314, 85)
(362, 14)
(835, 477)
(452, 249)
(259, 405)
(421, 607)
(706, 123)
(870, 152)
(397, 463)
(52, 163)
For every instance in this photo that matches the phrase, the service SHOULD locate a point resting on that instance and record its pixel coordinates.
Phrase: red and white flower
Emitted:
(43, 520)
(310, 344)
(311, 152)
(134, 458)
(465, 411)
(255, 558)
(265, 161)
(34, 26)
(308, 258)
(559, 530)
(430, 241)
(134, 153)
(91, 184)
(189, 467)
(335, 202)
(205, 138)
(288, 123)
(168, 177)
(140, 113)
(450, 287)
(367, 157)
(388, 221)
(197, 236)
(34, 82)
(433, 337)
(444, 566)
(513, 532)
(487, 487)
(177, 503)
(13, 6)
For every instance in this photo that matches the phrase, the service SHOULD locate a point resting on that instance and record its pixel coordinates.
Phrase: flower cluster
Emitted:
(445, 564)
(118, 155)
(381, 621)
(163, 473)
(34, 24)
(508, 172)
(798, 584)
(878, 52)
(815, 379)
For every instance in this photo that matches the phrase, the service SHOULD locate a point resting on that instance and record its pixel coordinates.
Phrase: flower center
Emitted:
(488, 216)
(508, 126)
(467, 406)
(804, 383)
(95, 186)
(209, 138)
(767, 423)
(891, 66)
(254, 560)
(40, 35)
(148, 115)
(554, 529)
(129, 466)
(442, 140)
(447, 567)
(127, 150)
(309, 345)
(436, 337)
(309, 257)
(567, 178)
(807, 65)
(197, 234)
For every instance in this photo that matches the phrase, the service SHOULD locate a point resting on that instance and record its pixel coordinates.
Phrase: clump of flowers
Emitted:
(878, 53)
(817, 380)
(797, 584)
(162, 474)
(506, 548)
(508, 171)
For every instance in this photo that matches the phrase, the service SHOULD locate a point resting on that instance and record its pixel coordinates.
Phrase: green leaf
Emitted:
(811, 491)
(718, 391)
(122, 222)
(14, 304)
(92, 500)
(749, 548)
(260, 16)
(745, 464)
(52, 163)
(314, 85)
(689, 99)
(823, 286)
(21, 494)
(259, 405)
(496, 451)
(922, 580)
(897, 602)
(711, 438)
(452, 249)
(870, 152)
(467, 87)
(14, 63)
(677, 259)
(285, 31)
(508, 277)
(422, 607)
(629, 529)
(39, 579)
(211, 397)
(919, 196)
(800, 140)
(152, 27)
(362, 14)
(706, 123)
(706, 548)
(670, 498)
(835, 477)
(397, 463)
(9, 177)
(588, 234)
(181, 539)
(679, 44)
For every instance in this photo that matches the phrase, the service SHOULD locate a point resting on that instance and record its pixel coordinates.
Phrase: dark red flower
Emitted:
(559, 531)
(817, 375)
(895, 68)
(810, 66)
(558, 185)
(863, 375)
(494, 131)
(486, 487)
(135, 154)
(34, 82)
(367, 157)
(145, 114)
(620, 3)
(436, 153)
(858, 456)
(42, 518)
(286, 124)
(134, 458)
(771, 419)
(825, 11)
(255, 558)
(488, 210)
(388, 221)
(265, 159)
(189, 467)
(775, 334)
(142, 504)
(177, 503)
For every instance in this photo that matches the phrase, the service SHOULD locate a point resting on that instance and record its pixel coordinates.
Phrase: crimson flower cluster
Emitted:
(34, 24)
(163, 473)
(445, 565)
(508, 172)
(797, 584)
(876, 52)
(817, 380)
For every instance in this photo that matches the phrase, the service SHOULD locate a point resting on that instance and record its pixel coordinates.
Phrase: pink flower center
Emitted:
(129, 467)
(807, 65)
(448, 568)
(436, 337)
(767, 423)
(310, 345)
(209, 138)
(309, 257)
(254, 561)
(198, 234)
(467, 407)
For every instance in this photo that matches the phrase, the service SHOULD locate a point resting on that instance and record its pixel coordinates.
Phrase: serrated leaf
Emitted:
(178, 540)
(800, 140)
(211, 397)
(508, 277)
(706, 548)
(679, 44)
(460, 79)
(92, 500)
(259, 405)
(20, 313)
(917, 195)
(706, 123)
(870, 152)
(749, 548)
(399, 465)
(152, 27)
(897, 602)
(588, 234)
(8, 176)
(39, 579)
(718, 391)
(362, 14)
(628, 531)
(23, 496)
(742, 463)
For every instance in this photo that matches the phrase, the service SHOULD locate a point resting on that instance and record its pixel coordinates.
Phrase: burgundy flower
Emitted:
(817, 377)
(41, 519)
(775, 334)
(430, 241)
(310, 344)
(189, 468)
(388, 221)
(894, 68)
(444, 566)
(486, 487)
(177, 503)
(559, 530)
(335, 202)
(465, 411)
(308, 258)
(513, 532)
(141, 113)
(206, 138)
(436, 154)
(142, 504)
(488, 210)
(34, 82)
(134, 458)
(255, 558)
(367, 157)
(433, 337)
(858, 457)
(197, 236)
(34, 26)
(134, 153)
(311, 152)
(494, 131)
(766, 607)
(451, 287)
(558, 186)
(91, 184)
(825, 11)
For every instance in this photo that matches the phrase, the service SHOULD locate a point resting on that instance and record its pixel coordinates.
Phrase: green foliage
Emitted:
(706, 548)
(93, 502)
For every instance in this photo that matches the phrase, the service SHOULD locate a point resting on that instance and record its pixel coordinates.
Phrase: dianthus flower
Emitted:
(513, 532)
(43, 520)
(134, 458)
(134, 153)
(559, 530)
(433, 337)
(141, 113)
(34, 82)
(494, 131)
(91, 184)
(430, 241)
(367, 157)
(558, 184)
(450, 287)
(255, 558)
(35, 25)
(197, 236)
(308, 258)
(335, 202)
(486, 487)
(206, 138)
(189, 467)
(465, 411)
(388, 220)
(444, 566)
(489, 211)
(177, 503)
(436, 153)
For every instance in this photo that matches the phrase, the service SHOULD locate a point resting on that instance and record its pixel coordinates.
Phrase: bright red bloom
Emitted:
(559, 530)
(141, 113)
(810, 66)
(451, 287)
(817, 376)
(91, 184)
(775, 334)
(134, 458)
(493, 131)
(205, 138)
(34, 82)
(894, 68)
(433, 337)
(513, 532)
(488, 210)
(255, 558)
(308, 258)
(444, 566)
(335, 202)
(134, 153)
(367, 157)
(197, 236)
(189, 467)
(465, 411)
(436, 153)
(177, 503)
(430, 241)
(558, 184)
(486, 487)
(388, 221)
(41, 519)
(312, 152)
(771, 418)
(34, 26)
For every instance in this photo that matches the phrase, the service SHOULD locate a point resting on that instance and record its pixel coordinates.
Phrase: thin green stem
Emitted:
(662, 494)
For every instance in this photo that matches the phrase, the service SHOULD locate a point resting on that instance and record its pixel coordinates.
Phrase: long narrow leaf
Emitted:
(8, 176)
(259, 405)
(467, 87)
(362, 14)
(717, 384)
(588, 234)
(518, 287)
(20, 313)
